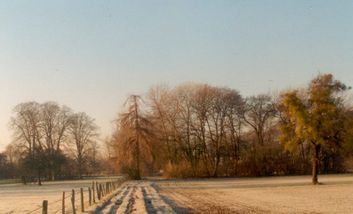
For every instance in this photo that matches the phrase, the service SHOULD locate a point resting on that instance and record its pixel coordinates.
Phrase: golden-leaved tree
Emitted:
(314, 116)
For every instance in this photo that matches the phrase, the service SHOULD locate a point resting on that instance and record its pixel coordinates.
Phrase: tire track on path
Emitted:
(136, 197)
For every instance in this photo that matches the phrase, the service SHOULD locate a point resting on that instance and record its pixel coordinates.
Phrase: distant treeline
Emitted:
(198, 130)
(192, 130)
(51, 142)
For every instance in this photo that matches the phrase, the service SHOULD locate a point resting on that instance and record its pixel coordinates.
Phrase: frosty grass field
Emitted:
(292, 194)
(18, 198)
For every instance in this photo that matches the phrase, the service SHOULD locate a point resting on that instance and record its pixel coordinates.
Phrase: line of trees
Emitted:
(51, 141)
(192, 130)
(198, 130)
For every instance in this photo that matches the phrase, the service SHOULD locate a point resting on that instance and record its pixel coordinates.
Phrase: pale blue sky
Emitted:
(89, 55)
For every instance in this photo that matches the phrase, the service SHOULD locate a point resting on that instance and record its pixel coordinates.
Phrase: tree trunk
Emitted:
(80, 162)
(137, 127)
(80, 172)
(315, 164)
(137, 175)
(215, 171)
(39, 179)
(302, 152)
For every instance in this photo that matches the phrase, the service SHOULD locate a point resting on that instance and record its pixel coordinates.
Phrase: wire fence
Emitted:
(79, 199)
(36, 210)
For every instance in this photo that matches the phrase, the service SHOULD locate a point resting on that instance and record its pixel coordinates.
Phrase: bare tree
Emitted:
(259, 110)
(83, 133)
(55, 123)
(27, 134)
(217, 110)
(93, 158)
(194, 122)
(183, 126)
(159, 102)
(258, 114)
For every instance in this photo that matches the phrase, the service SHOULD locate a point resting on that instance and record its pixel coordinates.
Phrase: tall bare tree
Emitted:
(54, 128)
(258, 114)
(159, 99)
(26, 124)
(83, 133)
(139, 126)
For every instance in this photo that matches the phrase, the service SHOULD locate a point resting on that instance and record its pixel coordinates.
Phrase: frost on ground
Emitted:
(293, 194)
(262, 195)
(243, 195)
(135, 197)
(18, 198)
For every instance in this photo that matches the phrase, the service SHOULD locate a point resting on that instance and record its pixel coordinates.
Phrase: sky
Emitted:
(90, 55)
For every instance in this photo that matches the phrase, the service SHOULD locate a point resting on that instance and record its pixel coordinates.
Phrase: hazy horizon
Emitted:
(90, 55)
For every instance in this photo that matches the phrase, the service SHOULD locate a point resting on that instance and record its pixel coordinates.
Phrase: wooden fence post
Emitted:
(45, 207)
(93, 194)
(63, 204)
(98, 191)
(82, 201)
(73, 202)
(101, 189)
(89, 196)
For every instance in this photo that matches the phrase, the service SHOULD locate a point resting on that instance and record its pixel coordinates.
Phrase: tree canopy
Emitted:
(315, 117)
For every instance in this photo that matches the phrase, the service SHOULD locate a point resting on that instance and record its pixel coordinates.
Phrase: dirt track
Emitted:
(136, 197)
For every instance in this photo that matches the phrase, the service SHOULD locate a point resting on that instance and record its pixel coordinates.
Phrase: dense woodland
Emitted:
(191, 130)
